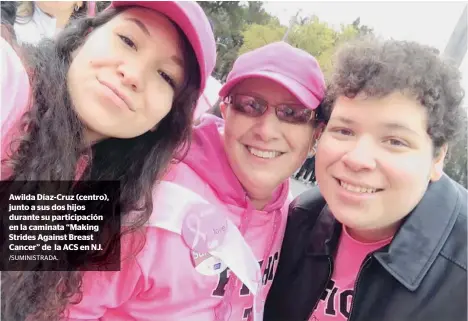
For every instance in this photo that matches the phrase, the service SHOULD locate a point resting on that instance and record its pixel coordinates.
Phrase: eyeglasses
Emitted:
(255, 107)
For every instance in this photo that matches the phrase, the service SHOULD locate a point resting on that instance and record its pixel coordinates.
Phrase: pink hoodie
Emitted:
(161, 283)
(14, 98)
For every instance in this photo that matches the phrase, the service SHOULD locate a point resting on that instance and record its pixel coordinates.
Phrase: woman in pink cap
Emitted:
(112, 100)
(212, 243)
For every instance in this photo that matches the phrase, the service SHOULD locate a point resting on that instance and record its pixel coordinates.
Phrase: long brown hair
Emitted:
(51, 147)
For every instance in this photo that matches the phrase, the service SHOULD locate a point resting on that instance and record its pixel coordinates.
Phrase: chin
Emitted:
(352, 218)
(254, 184)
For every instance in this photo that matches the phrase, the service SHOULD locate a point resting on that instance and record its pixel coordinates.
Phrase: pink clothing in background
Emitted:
(336, 301)
(209, 97)
(15, 97)
(161, 283)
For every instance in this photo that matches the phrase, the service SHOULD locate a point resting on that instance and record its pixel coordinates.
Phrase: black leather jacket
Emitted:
(420, 276)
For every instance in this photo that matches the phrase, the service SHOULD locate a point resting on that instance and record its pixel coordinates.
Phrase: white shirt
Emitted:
(37, 27)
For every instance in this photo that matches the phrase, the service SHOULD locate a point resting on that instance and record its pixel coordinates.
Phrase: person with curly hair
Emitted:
(384, 235)
(112, 99)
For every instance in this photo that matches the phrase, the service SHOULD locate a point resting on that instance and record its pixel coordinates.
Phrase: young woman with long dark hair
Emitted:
(112, 100)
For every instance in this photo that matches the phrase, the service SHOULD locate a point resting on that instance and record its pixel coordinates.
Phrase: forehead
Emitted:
(394, 108)
(152, 29)
(155, 22)
(265, 88)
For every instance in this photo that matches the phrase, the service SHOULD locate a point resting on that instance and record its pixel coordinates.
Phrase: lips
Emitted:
(118, 93)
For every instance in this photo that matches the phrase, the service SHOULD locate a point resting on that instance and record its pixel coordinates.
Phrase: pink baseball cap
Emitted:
(191, 18)
(293, 68)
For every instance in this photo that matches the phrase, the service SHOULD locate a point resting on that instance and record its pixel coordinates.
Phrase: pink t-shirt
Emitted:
(335, 303)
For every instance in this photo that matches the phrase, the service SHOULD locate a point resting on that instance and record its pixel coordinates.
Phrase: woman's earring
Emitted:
(76, 8)
(314, 149)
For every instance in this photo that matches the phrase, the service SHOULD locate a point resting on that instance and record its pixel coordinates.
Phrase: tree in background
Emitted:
(256, 35)
(363, 30)
(230, 18)
(307, 33)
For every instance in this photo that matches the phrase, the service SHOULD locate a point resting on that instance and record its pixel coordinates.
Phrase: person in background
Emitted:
(36, 20)
(384, 236)
(15, 87)
(8, 17)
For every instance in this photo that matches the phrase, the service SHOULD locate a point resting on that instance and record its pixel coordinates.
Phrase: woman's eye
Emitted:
(128, 41)
(168, 79)
(396, 142)
(342, 131)
(252, 104)
(289, 112)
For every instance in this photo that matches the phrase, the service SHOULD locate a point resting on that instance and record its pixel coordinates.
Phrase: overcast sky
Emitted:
(430, 23)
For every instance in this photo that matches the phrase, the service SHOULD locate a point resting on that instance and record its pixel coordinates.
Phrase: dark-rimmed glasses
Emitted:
(255, 107)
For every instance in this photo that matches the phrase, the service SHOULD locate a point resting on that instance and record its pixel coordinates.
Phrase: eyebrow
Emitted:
(177, 61)
(290, 100)
(389, 125)
(344, 120)
(398, 126)
(140, 24)
(145, 30)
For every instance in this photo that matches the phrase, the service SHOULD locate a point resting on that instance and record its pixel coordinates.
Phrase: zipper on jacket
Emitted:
(330, 273)
(356, 284)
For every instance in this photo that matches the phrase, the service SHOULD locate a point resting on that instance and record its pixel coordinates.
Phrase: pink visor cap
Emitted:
(294, 69)
(191, 18)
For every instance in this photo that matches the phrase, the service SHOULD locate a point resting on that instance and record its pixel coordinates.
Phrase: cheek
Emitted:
(407, 181)
(299, 141)
(99, 45)
(327, 154)
(81, 64)
(159, 103)
(75, 76)
(80, 76)
(236, 129)
(235, 133)
(299, 138)
(406, 172)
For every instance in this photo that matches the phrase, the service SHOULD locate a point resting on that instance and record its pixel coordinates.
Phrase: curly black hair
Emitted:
(377, 68)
